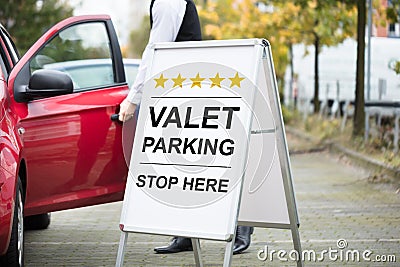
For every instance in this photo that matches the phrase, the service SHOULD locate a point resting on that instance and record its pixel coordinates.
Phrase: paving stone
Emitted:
(335, 201)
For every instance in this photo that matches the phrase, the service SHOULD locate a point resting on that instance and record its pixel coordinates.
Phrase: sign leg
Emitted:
(197, 252)
(229, 253)
(121, 249)
(297, 244)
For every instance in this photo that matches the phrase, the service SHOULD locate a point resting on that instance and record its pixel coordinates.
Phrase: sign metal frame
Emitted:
(262, 64)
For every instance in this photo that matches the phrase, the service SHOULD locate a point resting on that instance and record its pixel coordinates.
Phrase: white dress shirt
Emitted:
(167, 19)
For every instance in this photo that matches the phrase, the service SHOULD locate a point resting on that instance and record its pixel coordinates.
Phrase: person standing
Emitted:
(172, 21)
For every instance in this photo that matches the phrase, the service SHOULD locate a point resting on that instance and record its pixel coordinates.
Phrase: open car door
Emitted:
(66, 87)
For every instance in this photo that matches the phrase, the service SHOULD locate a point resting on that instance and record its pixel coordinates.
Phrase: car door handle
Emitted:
(115, 117)
(21, 130)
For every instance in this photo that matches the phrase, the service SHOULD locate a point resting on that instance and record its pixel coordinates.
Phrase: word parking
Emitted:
(211, 119)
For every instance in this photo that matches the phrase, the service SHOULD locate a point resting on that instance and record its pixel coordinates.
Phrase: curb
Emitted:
(366, 162)
(359, 159)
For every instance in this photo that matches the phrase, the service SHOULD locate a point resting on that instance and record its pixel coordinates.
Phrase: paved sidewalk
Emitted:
(335, 201)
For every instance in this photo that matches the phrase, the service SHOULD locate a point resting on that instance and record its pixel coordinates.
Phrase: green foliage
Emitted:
(395, 66)
(393, 16)
(331, 21)
(324, 24)
(393, 11)
(27, 20)
(288, 115)
(287, 22)
(138, 39)
(379, 145)
(321, 128)
(234, 19)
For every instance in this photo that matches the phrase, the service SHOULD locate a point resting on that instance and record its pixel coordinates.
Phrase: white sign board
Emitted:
(192, 140)
(268, 194)
(188, 158)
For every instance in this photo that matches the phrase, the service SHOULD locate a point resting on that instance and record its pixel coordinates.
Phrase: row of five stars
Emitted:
(215, 81)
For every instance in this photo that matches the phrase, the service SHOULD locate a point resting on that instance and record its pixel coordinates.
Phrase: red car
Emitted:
(59, 149)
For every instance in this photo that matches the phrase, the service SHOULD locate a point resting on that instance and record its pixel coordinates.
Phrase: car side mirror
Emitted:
(45, 83)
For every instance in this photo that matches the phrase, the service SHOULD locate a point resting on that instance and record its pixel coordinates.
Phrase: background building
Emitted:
(337, 67)
(390, 30)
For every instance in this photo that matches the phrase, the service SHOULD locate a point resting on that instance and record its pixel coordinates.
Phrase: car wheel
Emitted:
(37, 222)
(15, 252)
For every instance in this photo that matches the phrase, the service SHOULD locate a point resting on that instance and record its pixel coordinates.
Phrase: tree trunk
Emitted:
(359, 114)
(316, 75)
(291, 95)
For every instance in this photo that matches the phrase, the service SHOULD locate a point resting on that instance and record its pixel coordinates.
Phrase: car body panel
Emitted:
(65, 148)
(73, 150)
(9, 148)
(7, 192)
(8, 170)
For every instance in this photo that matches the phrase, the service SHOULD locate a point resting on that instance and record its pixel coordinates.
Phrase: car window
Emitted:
(12, 50)
(7, 52)
(131, 70)
(3, 69)
(82, 51)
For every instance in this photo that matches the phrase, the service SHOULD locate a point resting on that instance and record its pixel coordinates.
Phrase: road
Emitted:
(338, 206)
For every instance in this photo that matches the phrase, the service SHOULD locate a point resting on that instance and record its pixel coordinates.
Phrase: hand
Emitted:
(127, 110)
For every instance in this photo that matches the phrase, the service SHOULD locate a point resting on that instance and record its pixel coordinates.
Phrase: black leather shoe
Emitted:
(178, 244)
(243, 238)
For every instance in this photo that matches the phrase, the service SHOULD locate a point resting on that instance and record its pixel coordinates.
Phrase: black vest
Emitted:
(190, 28)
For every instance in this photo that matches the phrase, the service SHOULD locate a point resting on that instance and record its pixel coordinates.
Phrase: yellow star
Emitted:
(197, 81)
(178, 81)
(160, 81)
(216, 81)
(236, 80)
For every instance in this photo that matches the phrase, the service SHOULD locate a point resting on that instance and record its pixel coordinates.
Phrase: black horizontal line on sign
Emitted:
(185, 165)
(196, 97)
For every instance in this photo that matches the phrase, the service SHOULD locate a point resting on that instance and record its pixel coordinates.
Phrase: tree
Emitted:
(359, 113)
(323, 23)
(27, 20)
(312, 22)
(233, 19)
